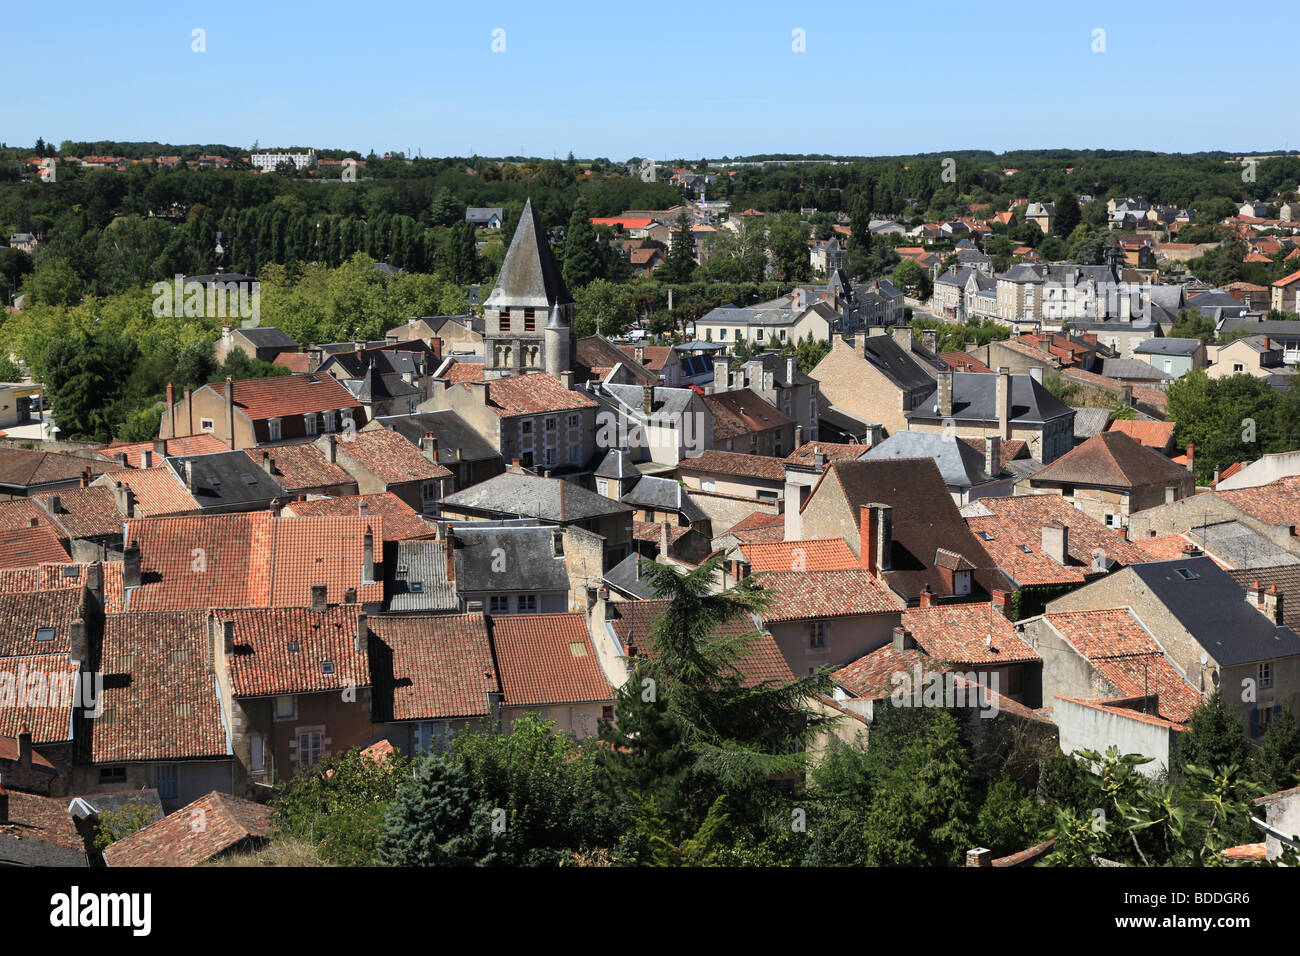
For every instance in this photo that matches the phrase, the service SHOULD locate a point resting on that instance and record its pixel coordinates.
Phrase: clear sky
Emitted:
(621, 79)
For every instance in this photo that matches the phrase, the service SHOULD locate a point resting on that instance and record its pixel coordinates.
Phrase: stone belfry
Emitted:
(528, 318)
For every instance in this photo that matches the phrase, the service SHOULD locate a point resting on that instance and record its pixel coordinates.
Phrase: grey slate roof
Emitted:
(663, 494)
(1241, 546)
(617, 464)
(226, 478)
(668, 402)
(1213, 609)
(417, 580)
(1169, 346)
(1286, 330)
(266, 338)
(529, 275)
(1090, 421)
(528, 496)
(457, 441)
(623, 577)
(776, 363)
(974, 398)
(960, 465)
(1134, 368)
(477, 214)
(840, 422)
(895, 363)
(507, 556)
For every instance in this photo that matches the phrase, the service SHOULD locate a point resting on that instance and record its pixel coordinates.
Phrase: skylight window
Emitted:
(45, 633)
(327, 667)
(248, 479)
(417, 587)
(293, 647)
(1186, 575)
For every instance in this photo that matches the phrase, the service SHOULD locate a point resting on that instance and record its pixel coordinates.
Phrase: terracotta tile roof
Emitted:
(201, 444)
(329, 551)
(735, 463)
(301, 466)
(49, 718)
(548, 659)
(1011, 449)
(821, 554)
(653, 357)
(433, 667)
(872, 676)
(159, 701)
(460, 372)
(282, 396)
(758, 526)
(1112, 459)
(956, 634)
(265, 663)
(9, 751)
(391, 458)
(22, 468)
(1128, 657)
(635, 620)
(964, 362)
(1168, 547)
(44, 819)
(652, 531)
(174, 841)
(23, 613)
(742, 411)
(1231, 470)
(1155, 435)
(28, 547)
(806, 453)
(293, 361)
(800, 596)
(84, 512)
(533, 395)
(1276, 503)
(400, 520)
(1017, 523)
(158, 492)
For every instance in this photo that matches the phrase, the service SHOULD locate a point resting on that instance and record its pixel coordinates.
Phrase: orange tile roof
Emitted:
(533, 394)
(1154, 435)
(201, 444)
(460, 372)
(400, 520)
(1124, 654)
(330, 551)
(23, 612)
(391, 458)
(876, 674)
(652, 531)
(438, 667)
(741, 412)
(547, 659)
(27, 513)
(228, 822)
(48, 717)
(800, 596)
(281, 396)
(1169, 547)
(806, 453)
(158, 492)
(43, 819)
(1287, 280)
(84, 512)
(1017, 524)
(1276, 503)
(735, 463)
(265, 663)
(957, 634)
(159, 701)
(28, 547)
(758, 526)
(301, 466)
(293, 361)
(822, 554)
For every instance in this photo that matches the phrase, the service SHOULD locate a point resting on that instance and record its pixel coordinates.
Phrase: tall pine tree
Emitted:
(582, 256)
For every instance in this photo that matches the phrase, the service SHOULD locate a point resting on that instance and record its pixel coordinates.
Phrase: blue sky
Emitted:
(602, 79)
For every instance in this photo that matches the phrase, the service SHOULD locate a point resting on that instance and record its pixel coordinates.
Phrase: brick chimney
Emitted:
(171, 411)
(979, 857)
(999, 601)
(1191, 458)
(665, 540)
(318, 597)
(927, 596)
(1255, 595)
(875, 537)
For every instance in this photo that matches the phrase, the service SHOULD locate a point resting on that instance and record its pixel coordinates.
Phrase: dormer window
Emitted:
(309, 423)
(273, 429)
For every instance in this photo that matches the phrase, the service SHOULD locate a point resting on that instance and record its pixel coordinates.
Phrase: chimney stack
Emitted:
(1056, 543)
(944, 393)
(331, 449)
(721, 374)
(1273, 604)
(903, 639)
(1255, 595)
(277, 506)
(131, 565)
(228, 637)
(993, 455)
(927, 596)
(429, 446)
(171, 411)
(362, 640)
(268, 464)
(1191, 458)
(791, 369)
(189, 475)
(875, 537)
(368, 557)
(146, 458)
(1000, 602)
(318, 598)
(1004, 402)
(4, 805)
(665, 540)
(24, 748)
(648, 399)
(230, 411)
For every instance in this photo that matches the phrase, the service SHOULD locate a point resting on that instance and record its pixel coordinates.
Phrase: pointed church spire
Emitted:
(530, 276)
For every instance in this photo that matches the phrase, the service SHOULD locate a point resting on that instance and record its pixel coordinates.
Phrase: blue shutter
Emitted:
(1254, 721)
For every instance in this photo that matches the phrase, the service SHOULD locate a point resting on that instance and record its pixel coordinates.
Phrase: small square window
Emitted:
(112, 775)
(499, 604)
(327, 667)
(45, 633)
(417, 587)
(528, 604)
